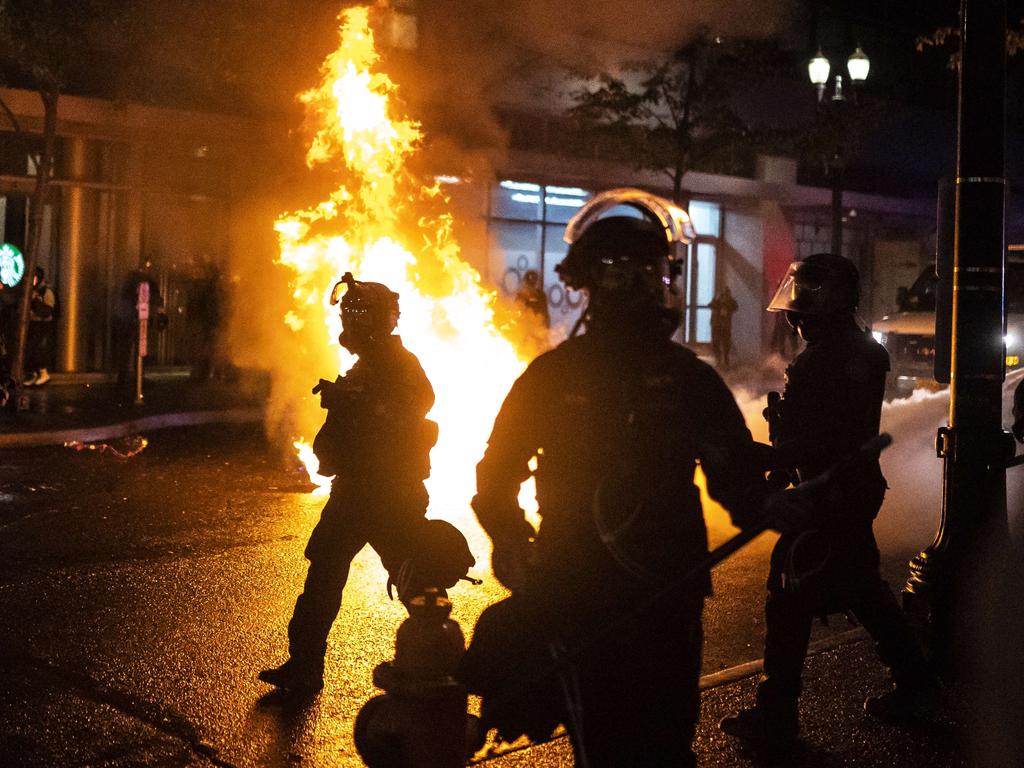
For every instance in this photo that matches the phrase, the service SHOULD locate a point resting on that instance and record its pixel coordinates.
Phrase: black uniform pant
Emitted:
(38, 346)
(629, 697)
(387, 521)
(641, 708)
(850, 581)
(721, 345)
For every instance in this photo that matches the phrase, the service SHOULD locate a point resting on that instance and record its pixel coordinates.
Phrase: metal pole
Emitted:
(138, 369)
(142, 309)
(973, 446)
(837, 204)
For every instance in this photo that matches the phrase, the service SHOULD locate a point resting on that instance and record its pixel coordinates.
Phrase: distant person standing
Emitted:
(205, 314)
(40, 330)
(532, 297)
(723, 307)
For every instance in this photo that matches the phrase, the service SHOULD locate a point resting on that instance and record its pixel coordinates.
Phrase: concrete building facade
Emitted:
(132, 185)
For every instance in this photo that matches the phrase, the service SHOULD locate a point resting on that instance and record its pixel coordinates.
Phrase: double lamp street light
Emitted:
(819, 68)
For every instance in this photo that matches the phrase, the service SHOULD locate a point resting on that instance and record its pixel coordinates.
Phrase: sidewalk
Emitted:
(835, 730)
(92, 407)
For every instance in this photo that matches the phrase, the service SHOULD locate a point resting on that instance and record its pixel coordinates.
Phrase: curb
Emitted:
(130, 427)
(751, 668)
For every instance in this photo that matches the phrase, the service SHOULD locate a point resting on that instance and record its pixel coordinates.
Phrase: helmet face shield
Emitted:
(821, 284)
(796, 292)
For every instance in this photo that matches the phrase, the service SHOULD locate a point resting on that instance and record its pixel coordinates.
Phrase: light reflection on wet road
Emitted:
(143, 596)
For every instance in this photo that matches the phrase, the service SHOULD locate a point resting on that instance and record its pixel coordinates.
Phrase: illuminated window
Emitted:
(527, 225)
(698, 282)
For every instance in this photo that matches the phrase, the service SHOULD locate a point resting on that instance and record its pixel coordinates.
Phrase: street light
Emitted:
(818, 69)
(858, 65)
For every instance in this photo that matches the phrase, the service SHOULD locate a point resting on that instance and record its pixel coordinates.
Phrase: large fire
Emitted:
(383, 224)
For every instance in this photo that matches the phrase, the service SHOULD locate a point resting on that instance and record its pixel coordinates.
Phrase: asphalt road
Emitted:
(141, 596)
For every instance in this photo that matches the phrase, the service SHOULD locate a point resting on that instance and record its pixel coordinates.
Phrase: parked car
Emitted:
(909, 334)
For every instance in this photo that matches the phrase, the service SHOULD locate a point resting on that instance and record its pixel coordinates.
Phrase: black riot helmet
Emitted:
(821, 284)
(624, 263)
(369, 311)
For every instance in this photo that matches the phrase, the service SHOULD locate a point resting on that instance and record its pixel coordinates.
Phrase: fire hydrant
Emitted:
(420, 721)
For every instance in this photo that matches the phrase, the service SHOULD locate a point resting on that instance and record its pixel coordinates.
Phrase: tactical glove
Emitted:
(790, 511)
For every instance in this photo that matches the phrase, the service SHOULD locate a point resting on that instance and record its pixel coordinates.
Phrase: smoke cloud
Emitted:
(910, 516)
(475, 56)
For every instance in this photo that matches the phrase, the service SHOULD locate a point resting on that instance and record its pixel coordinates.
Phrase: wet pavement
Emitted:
(141, 596)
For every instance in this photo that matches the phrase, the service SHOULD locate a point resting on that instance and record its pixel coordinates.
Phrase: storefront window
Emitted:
(706, 218)
(699, 281)
(527, 227)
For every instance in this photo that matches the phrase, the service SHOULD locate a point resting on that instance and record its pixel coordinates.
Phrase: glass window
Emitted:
(564, 305)
(517, 200)
(705, 289)
(519, 246)
(706, 218)
(517, 251)
(706, 254)
(561, 203)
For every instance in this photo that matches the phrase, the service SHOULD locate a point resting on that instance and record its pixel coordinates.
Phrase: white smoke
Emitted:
(910, 516)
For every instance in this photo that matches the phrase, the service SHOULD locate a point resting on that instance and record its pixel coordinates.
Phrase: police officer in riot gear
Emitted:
(616, 419)
(829, 561)
(376, 443)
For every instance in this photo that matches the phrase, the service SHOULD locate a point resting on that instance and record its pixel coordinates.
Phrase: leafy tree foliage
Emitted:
(948, 39)
(679, 113)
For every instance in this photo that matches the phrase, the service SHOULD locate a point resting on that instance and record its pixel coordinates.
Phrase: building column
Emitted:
(77, 228)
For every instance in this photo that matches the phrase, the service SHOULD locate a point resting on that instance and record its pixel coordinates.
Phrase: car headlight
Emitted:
(878, 336)
(1010, 340)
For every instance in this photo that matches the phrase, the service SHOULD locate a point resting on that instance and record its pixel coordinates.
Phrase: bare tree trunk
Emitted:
(37, 204)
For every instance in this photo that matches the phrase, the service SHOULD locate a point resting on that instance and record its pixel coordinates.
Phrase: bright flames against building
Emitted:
(385, 225)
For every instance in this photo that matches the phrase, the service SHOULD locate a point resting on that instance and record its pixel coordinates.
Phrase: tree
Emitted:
(677, 113)
(948, 40)
(40, 42)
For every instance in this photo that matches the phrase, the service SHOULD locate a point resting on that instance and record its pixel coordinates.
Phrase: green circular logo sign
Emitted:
(12, 265)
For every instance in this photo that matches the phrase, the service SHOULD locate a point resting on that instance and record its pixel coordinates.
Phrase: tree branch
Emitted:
(11, 116)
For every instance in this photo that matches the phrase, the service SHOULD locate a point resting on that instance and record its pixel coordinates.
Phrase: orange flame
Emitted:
(385, 225)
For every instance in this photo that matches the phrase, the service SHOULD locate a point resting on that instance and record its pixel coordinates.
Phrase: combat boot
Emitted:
(771, 728)
(905, 704)
(295, 676)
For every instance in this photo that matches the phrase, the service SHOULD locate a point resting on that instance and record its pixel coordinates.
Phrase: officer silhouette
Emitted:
(376, 444)
(616, 419)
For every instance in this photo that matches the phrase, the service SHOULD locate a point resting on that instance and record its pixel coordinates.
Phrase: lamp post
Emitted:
(818, 69)
(944, 588)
